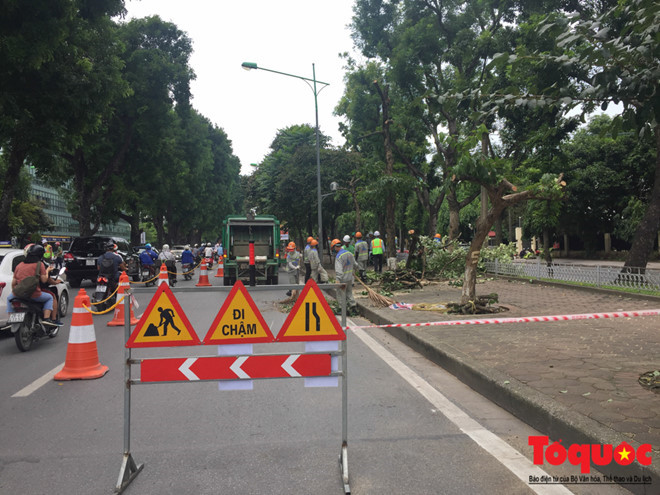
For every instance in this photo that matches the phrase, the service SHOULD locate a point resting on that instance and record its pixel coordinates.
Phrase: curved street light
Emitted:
(314, 81)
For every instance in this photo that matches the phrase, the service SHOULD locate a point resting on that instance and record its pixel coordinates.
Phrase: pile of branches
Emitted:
(480, 305)
(401, 279)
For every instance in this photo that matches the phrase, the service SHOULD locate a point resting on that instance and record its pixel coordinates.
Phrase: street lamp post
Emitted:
(251, 66)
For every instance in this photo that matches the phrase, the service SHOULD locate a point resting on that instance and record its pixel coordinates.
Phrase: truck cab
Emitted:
(251, 245)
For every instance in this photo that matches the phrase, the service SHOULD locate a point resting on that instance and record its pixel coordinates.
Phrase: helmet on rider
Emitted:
(166, 247)
(208, 244)
(358, 235)
(335, 242)
(110, 246)
(36, 250)
(147, 245)
(187, 246)
(27, 248)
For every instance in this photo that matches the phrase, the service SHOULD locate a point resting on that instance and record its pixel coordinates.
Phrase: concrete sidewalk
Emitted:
(573, 380)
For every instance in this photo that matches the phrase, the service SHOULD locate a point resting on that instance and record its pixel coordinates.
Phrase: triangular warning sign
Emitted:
(239, 321)
(163, 324)
(311, 318)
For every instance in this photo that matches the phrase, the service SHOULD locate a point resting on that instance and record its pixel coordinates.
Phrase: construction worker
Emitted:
(437, 238)
(344, 266)
(308, 267)
(292, 266)
(319, 275)
(347, 244)
(377, 249)
(361, 254)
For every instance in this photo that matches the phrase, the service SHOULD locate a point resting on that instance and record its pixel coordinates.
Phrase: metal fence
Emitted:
(606, 276)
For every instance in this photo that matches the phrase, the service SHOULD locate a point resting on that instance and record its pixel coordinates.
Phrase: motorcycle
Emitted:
(27, 322)
(103, 289)
(171, 271)
(187, 269)
(148, 275)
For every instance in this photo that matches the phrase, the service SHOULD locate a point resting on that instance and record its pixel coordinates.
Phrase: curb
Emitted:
(531, 406)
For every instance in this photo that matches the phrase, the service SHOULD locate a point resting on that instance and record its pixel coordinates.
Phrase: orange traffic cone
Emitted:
(203, 277)
(221, 268)
(82, 357)
(163, 278)
(118, 320)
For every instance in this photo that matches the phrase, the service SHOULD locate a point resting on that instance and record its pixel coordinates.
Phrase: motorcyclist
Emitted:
(187, 259)
(148, 258)
(208, 254)
(110, 265)
(27, 268)
(167, 257)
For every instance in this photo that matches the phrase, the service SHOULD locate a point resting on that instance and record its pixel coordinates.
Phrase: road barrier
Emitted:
(237, 326)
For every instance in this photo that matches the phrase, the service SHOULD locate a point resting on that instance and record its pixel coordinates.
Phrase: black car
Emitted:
(80, 258)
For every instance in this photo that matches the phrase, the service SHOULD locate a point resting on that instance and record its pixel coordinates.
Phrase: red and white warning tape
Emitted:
(523, 319)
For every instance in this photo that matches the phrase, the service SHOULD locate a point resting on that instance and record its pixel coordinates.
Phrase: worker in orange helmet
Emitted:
(305, 258)
(344, 266)
(319, 275)
(292, 266)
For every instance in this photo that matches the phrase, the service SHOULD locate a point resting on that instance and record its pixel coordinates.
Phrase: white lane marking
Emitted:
(39, 382)
(288, 365)
(513, 460)
(186, 371)
(236, 367)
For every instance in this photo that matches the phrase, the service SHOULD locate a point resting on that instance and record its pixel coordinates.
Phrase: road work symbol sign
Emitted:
(311, 318)
(239, 321)
(163, 324)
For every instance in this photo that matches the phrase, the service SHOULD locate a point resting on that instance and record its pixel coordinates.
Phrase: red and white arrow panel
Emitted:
(233, 368)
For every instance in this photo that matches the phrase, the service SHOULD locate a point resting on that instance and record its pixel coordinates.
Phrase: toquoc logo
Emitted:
(584, 454)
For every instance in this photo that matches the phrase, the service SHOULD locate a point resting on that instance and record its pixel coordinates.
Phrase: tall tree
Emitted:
(55, 82)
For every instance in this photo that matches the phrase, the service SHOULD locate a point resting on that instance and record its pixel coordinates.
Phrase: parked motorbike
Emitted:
(103, 290)
(187, 269)
(27, 322)
(148, 275)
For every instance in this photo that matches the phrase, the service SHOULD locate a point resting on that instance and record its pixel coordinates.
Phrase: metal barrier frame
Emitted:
(130, 469)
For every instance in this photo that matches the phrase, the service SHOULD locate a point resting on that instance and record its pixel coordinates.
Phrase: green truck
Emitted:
(238, 232)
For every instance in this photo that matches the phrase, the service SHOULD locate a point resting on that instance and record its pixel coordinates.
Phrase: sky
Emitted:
(283, 35)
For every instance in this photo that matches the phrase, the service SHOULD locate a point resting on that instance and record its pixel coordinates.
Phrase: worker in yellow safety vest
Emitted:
(377, 249)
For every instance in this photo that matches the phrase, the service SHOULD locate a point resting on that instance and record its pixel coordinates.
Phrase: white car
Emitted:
(9, 258)
(176, 250)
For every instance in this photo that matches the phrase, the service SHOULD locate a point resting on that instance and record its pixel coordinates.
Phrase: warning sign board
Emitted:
(163, 324)
(311, 318)
(239, 321)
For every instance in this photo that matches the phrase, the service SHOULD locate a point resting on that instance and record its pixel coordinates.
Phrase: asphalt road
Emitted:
(404, 435)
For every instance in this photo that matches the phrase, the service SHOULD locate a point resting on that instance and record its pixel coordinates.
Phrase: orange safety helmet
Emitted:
(314, 242)
(358, 235)
(291, 246)
(310, 239)
(437, 236)
(334, 243)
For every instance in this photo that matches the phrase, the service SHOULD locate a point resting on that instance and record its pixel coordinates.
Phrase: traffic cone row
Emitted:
(221, 268)
(118, 320)
(82, 357)
(203, 277)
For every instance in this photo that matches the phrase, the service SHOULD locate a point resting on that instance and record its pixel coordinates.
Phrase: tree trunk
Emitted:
(546, 246)
(642, 245)
(16, 159)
